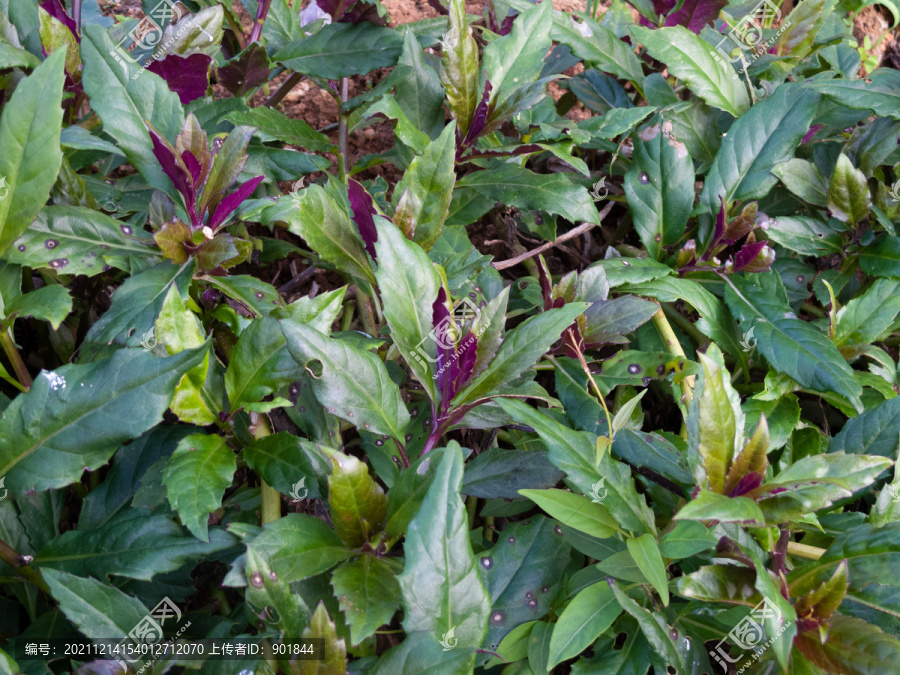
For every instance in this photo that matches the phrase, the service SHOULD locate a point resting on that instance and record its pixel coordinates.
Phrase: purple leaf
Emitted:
(186, 76)
(747, 255)
(193, 166)
(507, 24)
(55, 9)
(363, 209)
(468, 350)
(165, 155)
(747, 483)
(544, 278)
(234, 200)
(246, 71)
(442, 322)
(695, 14)
(663, 7)
(813, 130)
(479, 119)
(719, 231)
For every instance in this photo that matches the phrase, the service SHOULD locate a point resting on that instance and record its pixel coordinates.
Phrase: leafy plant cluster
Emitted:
(655, 430)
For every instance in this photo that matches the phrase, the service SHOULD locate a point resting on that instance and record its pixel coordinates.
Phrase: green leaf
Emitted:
(123, 95)
(804, 180)
(283, 463)
(881, 258)
(133, 544)
(659, 187)
(879, 92)
(589, 614)
(49, 303)
(442, 591)
(422, 197)
(521, 348)
(274, 124)
(499, 473)
(720, 583)
(299, 547)
(523, 573)
(342, 49)
(517, 186)
(31, 157)
(357, 502)
(767, 134)
(260, 364)
(49, 436)
(575, 510)
(85, 239)
(616, 121)
(866, 317)
(516, 59)
(664, 639)
(459, 67)
(713, 506)
(645, 551)
(325, 226)
(137, 303)
(686, 539)
(99, 611)
(791, 346)
(196, 477)
(805, 235)
(690, 58)
(848, 193)
(369, 594)
(421, 654)
(853, 647)
(873, 432)
(334, 651)
(267, 592)
(714, 428)
(601, 49)
(352, 384)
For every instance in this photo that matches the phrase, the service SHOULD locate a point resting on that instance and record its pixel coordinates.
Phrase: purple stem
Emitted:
(261, 13)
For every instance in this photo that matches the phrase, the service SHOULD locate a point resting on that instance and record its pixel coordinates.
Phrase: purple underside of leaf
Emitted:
(746, 484)
(186, 76)
(363, 209)
(250, 69)
(544, 279)
(747, 255)
(507, 24)
(695, 14)
(437, 6)
(440, 320)
(55, 9)
(813, 130)
(466, 358)
(165, 155)
(479, 119)
(719, 231)
(193, 166)
(234, 200)
(663, 7)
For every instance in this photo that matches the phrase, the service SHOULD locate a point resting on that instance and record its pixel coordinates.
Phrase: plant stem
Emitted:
(15, 359)
(76, 14)
(271, 498)
(283, 90)
(571, 234)
(673, 346)
(344, 165)
(803, 551)
(471, 505)
(366, 313)
(18, 562)
(261, 11)
(684, 324)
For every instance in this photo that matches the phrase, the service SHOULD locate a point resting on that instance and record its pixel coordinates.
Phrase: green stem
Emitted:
(15, 359)
(366, 313)
(344, 153)
(682, 322)
(347, 318)
(489, 528)
(673, 346)
(471, 506)
(795, 548)
(271, 498)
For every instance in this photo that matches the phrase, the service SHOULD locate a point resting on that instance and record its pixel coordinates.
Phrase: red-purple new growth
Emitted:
(479, 121)
(455, 362)
(747, 255)
(363, 209)
(186, 76)
(55, 9)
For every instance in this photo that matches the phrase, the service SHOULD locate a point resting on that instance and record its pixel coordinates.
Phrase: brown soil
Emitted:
(872, 22)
